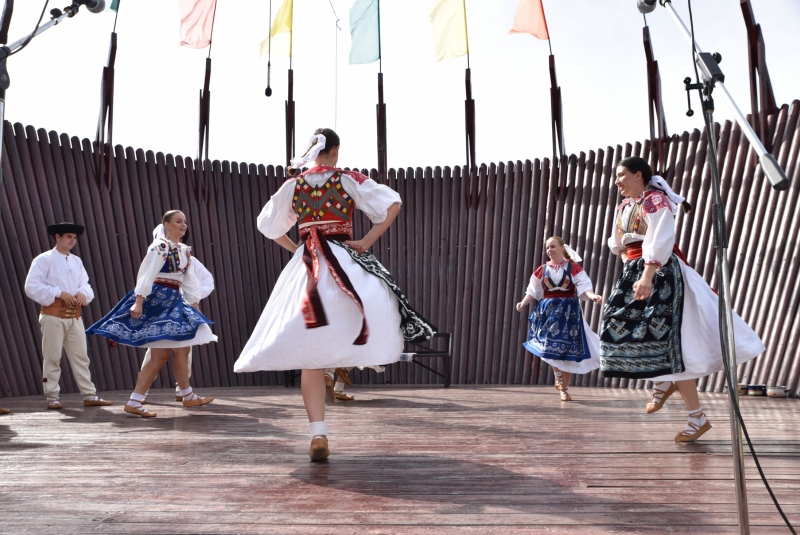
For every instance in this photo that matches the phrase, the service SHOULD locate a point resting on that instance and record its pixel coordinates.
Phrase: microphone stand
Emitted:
(713, 78)
(57, 16)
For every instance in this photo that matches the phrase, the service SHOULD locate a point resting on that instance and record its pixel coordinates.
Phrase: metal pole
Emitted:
(727, 339)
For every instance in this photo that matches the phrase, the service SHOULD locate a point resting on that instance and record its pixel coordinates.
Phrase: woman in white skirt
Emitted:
(334, 305)
(661, 321)
(158, 314)
(558, 333)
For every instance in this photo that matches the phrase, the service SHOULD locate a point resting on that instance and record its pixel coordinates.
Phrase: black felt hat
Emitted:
(64, 228)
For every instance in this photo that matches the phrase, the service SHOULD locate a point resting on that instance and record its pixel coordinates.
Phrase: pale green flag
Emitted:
(365, 32)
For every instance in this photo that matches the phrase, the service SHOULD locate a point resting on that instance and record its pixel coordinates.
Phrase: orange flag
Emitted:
(197, 22)
(529, 18)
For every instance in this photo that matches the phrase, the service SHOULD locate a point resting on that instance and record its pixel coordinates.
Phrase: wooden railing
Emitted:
(463, 248)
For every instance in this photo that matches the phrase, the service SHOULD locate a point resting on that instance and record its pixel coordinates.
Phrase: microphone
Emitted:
(646, 6)
(94, 6)
(268, 90)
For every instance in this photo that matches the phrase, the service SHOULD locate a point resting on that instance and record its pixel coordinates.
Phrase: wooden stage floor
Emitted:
(410, 460)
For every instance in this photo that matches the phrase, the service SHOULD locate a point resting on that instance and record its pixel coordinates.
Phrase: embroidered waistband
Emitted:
(634, 251)
(169, 283)
(550, 294)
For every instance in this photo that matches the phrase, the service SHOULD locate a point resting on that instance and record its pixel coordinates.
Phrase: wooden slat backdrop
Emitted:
(463, 264)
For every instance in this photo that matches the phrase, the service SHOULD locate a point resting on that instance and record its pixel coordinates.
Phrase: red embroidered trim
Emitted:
(311, 304)
(327, 229)
(576, 268)
(655, 201)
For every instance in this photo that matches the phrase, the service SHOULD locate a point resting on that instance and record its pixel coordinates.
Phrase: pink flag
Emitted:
(197, 22)
(529, 18)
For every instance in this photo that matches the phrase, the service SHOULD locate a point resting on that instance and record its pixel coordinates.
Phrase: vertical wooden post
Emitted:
(104, 153)
(658, 121)
(762, 97)
(469, 122)
(381, 110)
(290, 119)
(203, 134)
(556, 113)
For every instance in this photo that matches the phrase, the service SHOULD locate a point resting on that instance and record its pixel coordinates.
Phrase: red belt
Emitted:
(551, 293)
(317, 245)
(634, 251)
(169, 283)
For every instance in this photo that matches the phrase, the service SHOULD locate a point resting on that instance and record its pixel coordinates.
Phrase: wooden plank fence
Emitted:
(463, 248)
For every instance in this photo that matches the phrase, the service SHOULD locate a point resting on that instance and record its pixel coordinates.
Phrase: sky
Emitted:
(600, 61)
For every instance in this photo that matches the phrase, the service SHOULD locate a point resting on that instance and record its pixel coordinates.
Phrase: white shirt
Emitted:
(153, 262)
(52, 273)
(277, 217)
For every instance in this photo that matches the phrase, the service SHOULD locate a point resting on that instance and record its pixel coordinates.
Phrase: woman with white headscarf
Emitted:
(558, 333)
(661, 320)
(334, 305)
(157, 314)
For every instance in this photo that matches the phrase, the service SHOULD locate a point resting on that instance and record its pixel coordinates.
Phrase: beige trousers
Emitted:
(64, 335)
(147, 359)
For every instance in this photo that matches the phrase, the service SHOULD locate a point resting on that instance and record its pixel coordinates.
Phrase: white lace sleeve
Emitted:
(370, 197)
(35, 286)
(151, 266)
(660, 238)
(535, 288)
(277, 217)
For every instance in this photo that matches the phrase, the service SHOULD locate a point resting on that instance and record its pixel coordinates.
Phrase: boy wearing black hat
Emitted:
(58, 281)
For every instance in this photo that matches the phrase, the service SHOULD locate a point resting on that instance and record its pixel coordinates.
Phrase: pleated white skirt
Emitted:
(281, 341)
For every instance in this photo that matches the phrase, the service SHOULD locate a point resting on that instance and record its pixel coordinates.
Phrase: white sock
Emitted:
(330, 373)
(318, 429)
(136, 400)
(186, 393)
(663, 386)
(697, 418)
(338, 387)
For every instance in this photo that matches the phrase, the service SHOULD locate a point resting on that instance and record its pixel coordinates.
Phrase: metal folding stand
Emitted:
(57, 16)
(713, 78)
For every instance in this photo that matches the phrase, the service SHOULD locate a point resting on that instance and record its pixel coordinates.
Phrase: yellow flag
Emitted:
(449, 22)
(281, 32)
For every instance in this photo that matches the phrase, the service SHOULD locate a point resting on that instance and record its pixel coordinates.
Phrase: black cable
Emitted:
(731, 391)
(33, 34)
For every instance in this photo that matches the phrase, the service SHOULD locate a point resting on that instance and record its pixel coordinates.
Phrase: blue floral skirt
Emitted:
(556, 331)
(165, 317)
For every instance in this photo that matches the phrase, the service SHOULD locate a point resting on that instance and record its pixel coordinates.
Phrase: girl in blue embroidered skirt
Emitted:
(158, 316)
(558, 333)
(661, 320)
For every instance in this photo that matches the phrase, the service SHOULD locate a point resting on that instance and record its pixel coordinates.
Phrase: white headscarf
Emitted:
(159, 232)
(315, 145)
(659, 183)
(575, 257)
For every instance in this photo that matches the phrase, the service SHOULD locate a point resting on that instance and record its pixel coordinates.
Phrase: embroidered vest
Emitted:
(327, 207)
(172, 259)
(549, 284)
